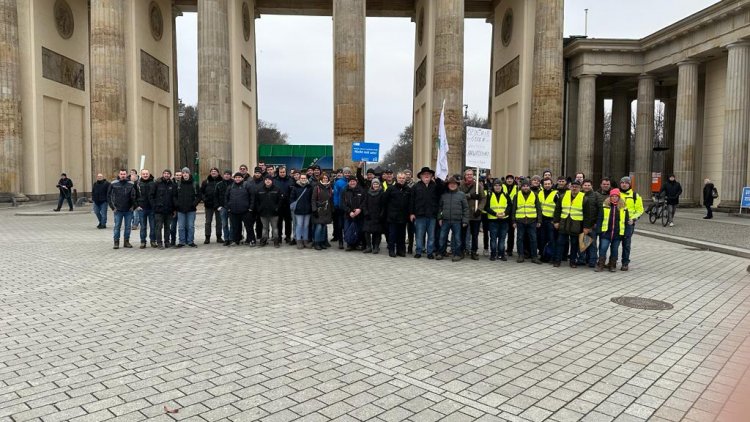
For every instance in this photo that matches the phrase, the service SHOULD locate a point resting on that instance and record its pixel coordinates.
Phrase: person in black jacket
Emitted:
(351, 202)
(672, 190)
(144, 188)
(708, 197)
(300, 203)
(186, 200)
(162, 199)
(239, 204)
(65, 186)
(208, 193)
(99, 197)
(121, 199)
(423, 211)
(220, 197)
(396, 203)
(267, 202)
(284, 183)
(373, 211)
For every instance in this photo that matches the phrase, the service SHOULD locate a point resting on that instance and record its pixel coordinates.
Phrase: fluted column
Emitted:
(214, 95)
(586, 125)
(686, 128)
(545, 147)
(11, 142)
(736, 124)
(571, 131)
(644, 133)
(109, 142)
(448, 78)
(670, 113)
(348, 78)
(598, 165)
(620, 134)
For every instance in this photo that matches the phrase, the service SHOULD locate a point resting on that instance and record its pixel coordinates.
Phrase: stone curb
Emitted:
(709, 246)
(50, 213)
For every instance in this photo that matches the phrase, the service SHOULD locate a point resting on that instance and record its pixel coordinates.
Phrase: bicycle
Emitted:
(658, 210)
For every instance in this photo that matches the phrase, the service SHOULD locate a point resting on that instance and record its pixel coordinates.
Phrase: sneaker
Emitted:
(503, 258)
(430, 256)
(180, 245)
(192, 245)
(439, 257)
(520, 259)
(417, 256)
(154, 245)
(493, 258)
(486, 252)
(392, 254)
(671, 224)
(536, 261)
(624, 267)
(143, 245)
(457, 258)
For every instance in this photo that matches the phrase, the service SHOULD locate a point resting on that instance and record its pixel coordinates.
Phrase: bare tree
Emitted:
(188, 136)
(269, 134)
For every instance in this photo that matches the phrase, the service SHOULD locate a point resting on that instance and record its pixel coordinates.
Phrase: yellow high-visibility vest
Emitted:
(574, 207)
(510, 192)
(607, 214)
(526, 206)
(548, 203)
(633, 202)
(498, 203)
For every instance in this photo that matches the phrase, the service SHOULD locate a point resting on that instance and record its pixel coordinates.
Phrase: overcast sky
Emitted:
(295, 65)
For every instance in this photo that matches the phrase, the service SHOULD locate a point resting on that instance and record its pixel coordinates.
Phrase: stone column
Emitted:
(214, 95)
(571, 131)
(348, 78)
(586, 125)
(109, 140)
(545, 147)
(448, 78)
(596, 172)
(176, 12)
(11, 142)
(644, 134)
(620, 134)
(670, 112)
(736, 124)
(686, 128)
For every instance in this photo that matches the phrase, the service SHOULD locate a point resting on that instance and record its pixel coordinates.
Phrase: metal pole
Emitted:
(586, 22)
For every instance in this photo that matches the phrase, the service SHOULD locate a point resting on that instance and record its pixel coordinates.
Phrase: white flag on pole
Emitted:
(441, 168)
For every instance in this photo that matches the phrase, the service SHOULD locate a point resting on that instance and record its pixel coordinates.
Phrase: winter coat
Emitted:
(322, 204)
(303, 196)
(352, 200)
(121, 196)
(144, 192)
(67, 183)
(267, 201)
(99, 191)
(239, 198)
(425, 199)
(187, 195)
(708, 197)
(396, 203)
(454, 207)
(220, 196)
(373, 210)
(208, 191)
(285, 185)
(613, 225)
(672, 191)
(476, 200)
(162, 196)
(339, 186)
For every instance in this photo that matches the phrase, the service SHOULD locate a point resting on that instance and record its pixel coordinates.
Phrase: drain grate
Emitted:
(642, 303)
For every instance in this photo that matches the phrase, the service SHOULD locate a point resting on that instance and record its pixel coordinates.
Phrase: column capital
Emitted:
(738, 43)
(646, 76)
(587, 75)
(688, 62)
(176, 11)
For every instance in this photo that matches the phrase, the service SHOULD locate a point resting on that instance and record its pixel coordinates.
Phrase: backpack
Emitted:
(714, 193)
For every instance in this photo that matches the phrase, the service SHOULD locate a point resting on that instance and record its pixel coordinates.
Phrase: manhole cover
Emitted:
(642, 303)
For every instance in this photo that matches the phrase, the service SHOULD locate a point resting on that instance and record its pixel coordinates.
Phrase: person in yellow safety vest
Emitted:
(498, 209)
(548, 197)
(634, 203)
(387, 179)
(511, 189)
(568, 219)
(526, 218)
(613, 219)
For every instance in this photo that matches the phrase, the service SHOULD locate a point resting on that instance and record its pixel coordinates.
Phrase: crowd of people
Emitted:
(540, 218)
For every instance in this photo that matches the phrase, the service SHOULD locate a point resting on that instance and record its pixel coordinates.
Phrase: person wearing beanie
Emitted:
(498, 208)
(351, 201)
(510, 188)
(162, 198)
(364, 181)
(267, 202)
(220, 202)
(634, 203)
(339, 186)
(613, 218)
(671, 190)
(238, 201)
(453, 216)
(65, 186)
(284, 182)
(186, 199)
(526, 218)
(208, 193)
(373, 210)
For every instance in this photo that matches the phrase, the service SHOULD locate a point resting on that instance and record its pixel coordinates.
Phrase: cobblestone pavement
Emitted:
(723, 229)
(88, 333)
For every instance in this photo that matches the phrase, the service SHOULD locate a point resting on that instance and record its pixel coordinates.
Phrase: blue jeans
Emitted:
(321, 233)
(136, 218)
(302, 229)
(100, 211)
(422, 226)
(224, 215)
(629, 230)
(548, 238)
(455, 227)
(498, 232)
(522, 230)
(147, 218)
(186, 227)
(471, 236)
(612, 244)
(119, 217)
(566, 242)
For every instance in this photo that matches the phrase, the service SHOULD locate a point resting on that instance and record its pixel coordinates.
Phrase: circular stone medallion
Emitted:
(156, 20)
(64, 19)
(642, 303)
(420, 26)
(506, 32)
(246, 21)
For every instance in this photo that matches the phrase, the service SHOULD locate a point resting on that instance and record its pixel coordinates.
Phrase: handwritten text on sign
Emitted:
(478, 147)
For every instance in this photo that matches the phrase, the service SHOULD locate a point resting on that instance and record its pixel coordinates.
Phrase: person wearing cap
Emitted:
(121, 199)
(396, 204)
(634, 203)
(547, 241)
(162, 198)
(339, 186)
(510, 188)
(672, 190)
(208, 193)
(423, 211)
(387, 179)
(267, 201)
(498, 207)
(322, 206)
(187, 196)
(476, 198)
(373, 212)
(220, 194)
(526, 218)
(364, 182)
(65, 186)
(238, 201)
(568, 219)
(351, 200)
(453, 216)
(613, 218)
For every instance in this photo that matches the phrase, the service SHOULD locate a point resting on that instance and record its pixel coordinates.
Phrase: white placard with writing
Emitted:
(478, 147)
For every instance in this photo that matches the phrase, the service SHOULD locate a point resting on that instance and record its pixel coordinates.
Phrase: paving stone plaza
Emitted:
(88, 333)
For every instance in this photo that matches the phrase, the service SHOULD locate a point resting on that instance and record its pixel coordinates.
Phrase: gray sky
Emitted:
(295, 65)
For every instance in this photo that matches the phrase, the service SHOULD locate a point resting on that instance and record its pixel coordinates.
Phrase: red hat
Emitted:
(614, 192)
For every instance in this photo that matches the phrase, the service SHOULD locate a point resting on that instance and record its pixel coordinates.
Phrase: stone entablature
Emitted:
(700, 34)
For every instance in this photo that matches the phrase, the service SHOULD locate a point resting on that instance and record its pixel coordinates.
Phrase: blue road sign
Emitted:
(745, 201)
(366, 151)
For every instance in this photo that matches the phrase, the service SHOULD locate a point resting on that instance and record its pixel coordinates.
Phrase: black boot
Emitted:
(341, 244)
(127, 244)
(317, 247)
(368, 243)
(207, 241)
(117, 245)
(277, 243)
